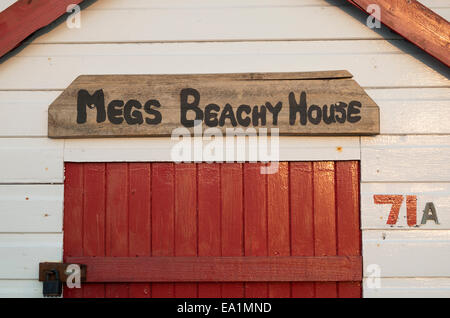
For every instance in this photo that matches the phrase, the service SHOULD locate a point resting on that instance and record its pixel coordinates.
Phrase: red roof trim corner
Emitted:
(416, 23)
(25, 17)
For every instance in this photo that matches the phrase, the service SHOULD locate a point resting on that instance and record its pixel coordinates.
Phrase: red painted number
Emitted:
(396, 201)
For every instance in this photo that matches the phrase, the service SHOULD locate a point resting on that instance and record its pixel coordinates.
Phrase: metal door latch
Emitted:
(53, 275)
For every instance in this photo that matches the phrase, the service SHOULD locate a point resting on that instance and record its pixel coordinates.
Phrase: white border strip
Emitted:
(159, 149)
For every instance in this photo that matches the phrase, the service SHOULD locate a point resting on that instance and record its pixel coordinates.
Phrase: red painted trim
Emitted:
(25, 17)
(221, 269)
(416, 23)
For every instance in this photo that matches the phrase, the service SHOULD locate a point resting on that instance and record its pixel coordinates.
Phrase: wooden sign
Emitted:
(314, 103)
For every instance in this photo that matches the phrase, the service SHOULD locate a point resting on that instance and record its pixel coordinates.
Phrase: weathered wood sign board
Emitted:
(313, 103)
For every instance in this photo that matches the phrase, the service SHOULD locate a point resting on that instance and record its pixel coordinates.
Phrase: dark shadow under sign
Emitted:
(312, 103)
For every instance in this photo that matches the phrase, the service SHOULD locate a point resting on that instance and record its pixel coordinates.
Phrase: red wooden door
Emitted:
(134, 211)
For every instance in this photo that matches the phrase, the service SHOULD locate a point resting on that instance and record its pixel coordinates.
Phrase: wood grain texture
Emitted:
(209, 221)
(70, 115)
(415, 22)
(211, 22)
(163, 220)
(139, 220)
(348, 220)
(21, 288)
(232, 221)
(325, 236)
(31, 160)
(368, 61)
(413, 111)
(73, 218)
(278, 223)
(301, 185)
(156, 149)
(392, 251)
(220, 269)
(419, 287)
(22, 253)
(405, 158)
(31, 208)
(402, 111)
(25, 17)
(255, 222)
(186, 226)
(35, 104)
(214, 230)
(375, 216)
(94, 220)
(249, 21)
(198, 4)
(116, 218)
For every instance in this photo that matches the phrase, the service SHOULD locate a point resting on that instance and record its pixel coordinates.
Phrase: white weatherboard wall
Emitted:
(410, 157)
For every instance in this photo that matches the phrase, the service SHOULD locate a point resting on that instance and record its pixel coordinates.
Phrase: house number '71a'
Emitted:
(429, 213)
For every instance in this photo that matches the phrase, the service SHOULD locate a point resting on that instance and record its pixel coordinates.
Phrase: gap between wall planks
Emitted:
(247, 219)
(416, 23)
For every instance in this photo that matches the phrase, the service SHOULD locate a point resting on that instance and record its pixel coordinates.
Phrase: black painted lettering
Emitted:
(245, 122)
(259, 115)
(353, 108)
(340, 108)
(295, 108)
(186, 106)
(97, 100)
(211, 111)
(133, 117)
(157, 118)
(315, 119)
(115, 112)
(227, 113)
(328, 118)
(429, 213)
(275, 110)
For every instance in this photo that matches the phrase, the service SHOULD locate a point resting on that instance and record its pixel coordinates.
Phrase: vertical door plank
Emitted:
(94, 220)
(232, 221)
(324, 220)
(255, 221)
(73, 218)
(278, 220)
(348, 223)
(117, 220)
(139, 215)
(162, 209)
(209, 232)
(186, 220)
(163, 222)
(302, 220)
